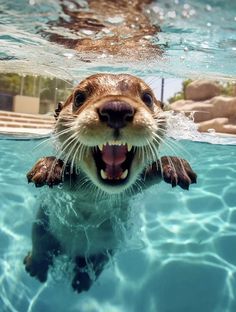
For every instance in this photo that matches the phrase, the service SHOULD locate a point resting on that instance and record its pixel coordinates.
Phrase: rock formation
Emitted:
(209, 109)
(201, 90)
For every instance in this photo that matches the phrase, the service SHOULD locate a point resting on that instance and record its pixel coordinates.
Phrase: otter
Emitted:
(107, 134)
(118, 28)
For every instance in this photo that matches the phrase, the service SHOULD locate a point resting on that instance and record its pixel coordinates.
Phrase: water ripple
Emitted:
(198, 39)
(180, 257)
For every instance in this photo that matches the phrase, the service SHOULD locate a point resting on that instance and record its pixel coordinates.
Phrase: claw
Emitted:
(177, 171)
(47, 171)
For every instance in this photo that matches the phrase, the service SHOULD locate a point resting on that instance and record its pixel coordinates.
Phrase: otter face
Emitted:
(111, 128)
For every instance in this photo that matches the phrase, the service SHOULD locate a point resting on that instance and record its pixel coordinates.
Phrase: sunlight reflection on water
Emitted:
(181, 256)
(198, 39)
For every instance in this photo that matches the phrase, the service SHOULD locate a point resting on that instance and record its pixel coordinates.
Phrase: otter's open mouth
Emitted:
(113, 161)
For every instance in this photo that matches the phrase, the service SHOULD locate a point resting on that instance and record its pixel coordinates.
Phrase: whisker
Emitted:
(158, 139)
(44, 142)
(69, 154)
(73, 158)
(51, 140)
(178, 146)
(64, 145)
(171, 145)
(151, 149)
(58, 135)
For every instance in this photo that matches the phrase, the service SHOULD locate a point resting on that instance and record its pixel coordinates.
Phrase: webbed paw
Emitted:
(81, 282)
(46, 171)
(36, 267)
(177, 171)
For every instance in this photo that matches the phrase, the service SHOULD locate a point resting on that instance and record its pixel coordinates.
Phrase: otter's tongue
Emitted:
(113, 156)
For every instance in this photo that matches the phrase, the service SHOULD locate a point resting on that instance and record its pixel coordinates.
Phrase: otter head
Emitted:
(110, 128)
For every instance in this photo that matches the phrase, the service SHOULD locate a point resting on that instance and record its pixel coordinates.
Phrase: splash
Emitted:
(182, 127)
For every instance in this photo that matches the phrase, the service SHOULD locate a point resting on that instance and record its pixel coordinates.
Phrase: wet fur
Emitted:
(81, 219)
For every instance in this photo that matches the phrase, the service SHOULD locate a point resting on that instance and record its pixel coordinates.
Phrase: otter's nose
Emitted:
(116, 114)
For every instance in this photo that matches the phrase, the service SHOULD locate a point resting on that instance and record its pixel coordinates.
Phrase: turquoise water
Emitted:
(180, 257)
(180, 252)
(198, 39)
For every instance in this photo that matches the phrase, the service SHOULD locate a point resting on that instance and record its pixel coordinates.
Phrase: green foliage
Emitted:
(180, 95)
(185, 83)
(176, 97)
(48, 89)
(9, 83)
(228, 88)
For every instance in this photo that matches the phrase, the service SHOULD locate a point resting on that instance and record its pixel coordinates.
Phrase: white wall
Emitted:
(26, 104)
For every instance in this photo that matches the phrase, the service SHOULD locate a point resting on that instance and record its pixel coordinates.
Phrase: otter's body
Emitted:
(89, 225)
(108, 135)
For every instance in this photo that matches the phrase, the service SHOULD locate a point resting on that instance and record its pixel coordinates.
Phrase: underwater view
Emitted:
(178, 256)
(175, 250)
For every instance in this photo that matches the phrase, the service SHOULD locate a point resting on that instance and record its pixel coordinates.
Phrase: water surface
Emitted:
(198, 39)
(181, 254)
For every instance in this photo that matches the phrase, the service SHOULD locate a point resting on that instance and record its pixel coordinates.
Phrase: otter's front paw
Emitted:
(47, 171)
(177, 171)
(36, 267)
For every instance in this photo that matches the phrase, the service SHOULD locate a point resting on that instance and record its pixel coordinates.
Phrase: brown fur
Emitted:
(85, 123)
(130, 38)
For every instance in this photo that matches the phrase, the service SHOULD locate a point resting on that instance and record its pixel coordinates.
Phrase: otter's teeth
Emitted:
(100, 146)
(103, 174)
(124, 174)
(129, 147)
(118, 143)
(105, 177)
(114, 143)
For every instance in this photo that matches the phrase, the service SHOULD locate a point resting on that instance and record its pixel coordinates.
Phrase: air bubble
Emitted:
(187, 6)
(208, 8)
(171, 14)
(87, 32)
(148, 37)
(103, 55)
(192, 12)
(205, 45)
(115, 20)
(69, 55)
(156, 9)
(106, 31)
(60, 186)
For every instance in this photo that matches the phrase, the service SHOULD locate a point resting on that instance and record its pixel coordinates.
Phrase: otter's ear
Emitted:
(60, 106)
(160, 104)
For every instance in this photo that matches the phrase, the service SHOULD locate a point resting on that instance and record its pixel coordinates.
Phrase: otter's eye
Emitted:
(147, 99)
(80, 98)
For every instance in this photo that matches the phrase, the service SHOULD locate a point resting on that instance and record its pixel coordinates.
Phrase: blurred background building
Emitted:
(31, 94)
